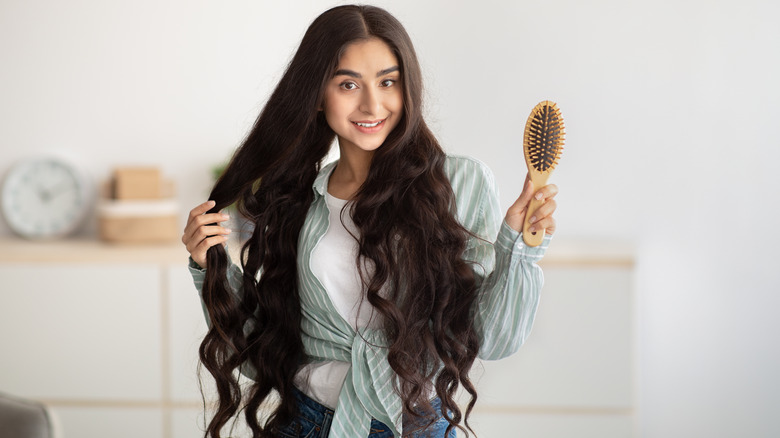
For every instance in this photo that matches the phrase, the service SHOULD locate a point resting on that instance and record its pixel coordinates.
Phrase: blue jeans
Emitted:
(314, 421)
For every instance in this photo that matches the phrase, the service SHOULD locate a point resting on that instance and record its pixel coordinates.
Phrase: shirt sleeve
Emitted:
(508, 278)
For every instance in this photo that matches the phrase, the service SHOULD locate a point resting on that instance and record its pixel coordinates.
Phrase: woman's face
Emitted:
(364, 100)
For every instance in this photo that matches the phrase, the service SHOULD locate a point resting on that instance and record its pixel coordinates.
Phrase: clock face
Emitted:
(44, 198)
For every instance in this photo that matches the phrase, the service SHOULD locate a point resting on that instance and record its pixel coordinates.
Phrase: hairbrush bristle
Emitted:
(544, 136)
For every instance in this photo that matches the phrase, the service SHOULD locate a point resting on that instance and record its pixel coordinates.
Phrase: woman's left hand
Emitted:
(543, 216)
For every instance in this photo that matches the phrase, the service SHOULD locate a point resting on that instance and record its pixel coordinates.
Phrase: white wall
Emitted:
(669, 108)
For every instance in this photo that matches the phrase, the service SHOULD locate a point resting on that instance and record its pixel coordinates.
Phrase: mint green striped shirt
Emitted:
(507, 274)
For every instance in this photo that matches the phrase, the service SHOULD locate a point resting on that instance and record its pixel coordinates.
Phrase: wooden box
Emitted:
(137, 183)
(139, 221)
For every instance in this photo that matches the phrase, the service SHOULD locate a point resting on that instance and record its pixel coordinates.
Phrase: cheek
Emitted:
(398, 110)
(333, 111)
(398, 103)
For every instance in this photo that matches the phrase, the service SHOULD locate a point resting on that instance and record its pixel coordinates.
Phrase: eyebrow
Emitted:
(354, 74)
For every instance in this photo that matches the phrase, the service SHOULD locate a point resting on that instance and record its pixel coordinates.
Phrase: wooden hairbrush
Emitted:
(542, 147)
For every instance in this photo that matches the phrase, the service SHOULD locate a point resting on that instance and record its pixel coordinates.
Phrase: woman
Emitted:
(370, 285)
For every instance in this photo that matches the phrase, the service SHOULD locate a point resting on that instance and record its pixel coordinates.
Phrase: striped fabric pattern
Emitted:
(507, 273)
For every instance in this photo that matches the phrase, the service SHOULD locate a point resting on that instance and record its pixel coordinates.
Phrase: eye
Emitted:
(387, 83)
(348, 85)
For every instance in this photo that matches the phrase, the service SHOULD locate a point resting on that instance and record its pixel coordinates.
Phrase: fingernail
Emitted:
(228, 230)
(531, 229)
(211, 202)
(538, 196)
(532, 220)
(226, 217)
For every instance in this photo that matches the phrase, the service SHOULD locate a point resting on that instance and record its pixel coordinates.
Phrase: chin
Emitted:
(368, 146)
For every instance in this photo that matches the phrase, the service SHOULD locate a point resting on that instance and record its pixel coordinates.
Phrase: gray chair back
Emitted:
(22, 418)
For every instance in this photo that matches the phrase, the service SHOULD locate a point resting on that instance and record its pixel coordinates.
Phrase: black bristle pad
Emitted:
(545, 139)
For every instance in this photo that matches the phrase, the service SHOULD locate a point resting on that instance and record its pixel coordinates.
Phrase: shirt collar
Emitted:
(321, 183)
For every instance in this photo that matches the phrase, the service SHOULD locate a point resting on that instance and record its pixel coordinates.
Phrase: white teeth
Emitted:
(368, 125)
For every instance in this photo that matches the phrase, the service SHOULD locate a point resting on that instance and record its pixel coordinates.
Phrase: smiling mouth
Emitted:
(369, 125)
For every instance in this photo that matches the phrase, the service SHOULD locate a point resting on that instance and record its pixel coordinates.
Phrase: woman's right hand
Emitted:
(200, 235)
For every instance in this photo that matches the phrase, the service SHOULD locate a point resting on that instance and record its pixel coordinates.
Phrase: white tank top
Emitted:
(333, 262)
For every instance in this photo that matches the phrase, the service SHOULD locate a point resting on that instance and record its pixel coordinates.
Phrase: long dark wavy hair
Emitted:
(405, 215)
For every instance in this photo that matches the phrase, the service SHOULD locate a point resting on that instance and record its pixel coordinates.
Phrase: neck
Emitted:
(350, 172)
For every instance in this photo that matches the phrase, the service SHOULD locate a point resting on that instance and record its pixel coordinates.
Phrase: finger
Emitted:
(525, 197)
(198, 240)
(547, 192)
(207, 219)
(202, 232)
(545, 210)
(210, 230)
(209, 242)
(198, 253)
(194, 223)
(526, 185)
(194, 214)
(547, 224)
(202, 208)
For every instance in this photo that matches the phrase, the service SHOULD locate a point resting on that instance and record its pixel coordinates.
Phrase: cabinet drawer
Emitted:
(580, 351)
(78, 331)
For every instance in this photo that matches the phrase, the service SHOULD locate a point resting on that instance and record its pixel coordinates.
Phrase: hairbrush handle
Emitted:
(534, 238)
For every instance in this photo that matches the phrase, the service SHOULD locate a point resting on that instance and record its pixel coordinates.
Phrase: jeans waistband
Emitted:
(312, 407)
(309, 402)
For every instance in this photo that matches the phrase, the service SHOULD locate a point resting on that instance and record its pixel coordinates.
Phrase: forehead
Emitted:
(370, 55)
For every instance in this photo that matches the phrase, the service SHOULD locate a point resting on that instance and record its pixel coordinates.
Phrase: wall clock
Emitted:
(45, 198)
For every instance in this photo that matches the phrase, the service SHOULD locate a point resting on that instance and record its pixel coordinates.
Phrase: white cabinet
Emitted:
(108, 337)
(574, 377)
(79, 332)
(88, 329)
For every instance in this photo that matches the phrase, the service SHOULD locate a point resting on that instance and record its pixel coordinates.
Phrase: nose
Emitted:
(371, 102)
